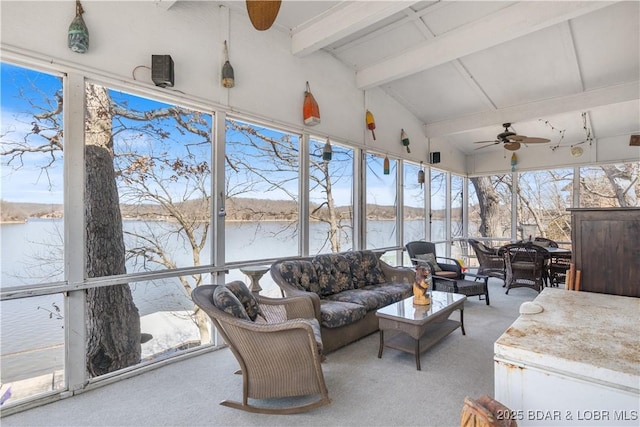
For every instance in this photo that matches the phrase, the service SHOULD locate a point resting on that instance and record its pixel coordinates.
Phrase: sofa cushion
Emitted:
(393, 291)
(334, 273)
(370, 299)
(334, 314)
(365, 268)
(301, 274)
(226, 301)
(244, 295)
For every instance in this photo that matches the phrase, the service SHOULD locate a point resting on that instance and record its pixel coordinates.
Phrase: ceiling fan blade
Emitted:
(534, 140)
(512, 146)
(516, 138)
(486, 142)
(485, 146)
(263, 13)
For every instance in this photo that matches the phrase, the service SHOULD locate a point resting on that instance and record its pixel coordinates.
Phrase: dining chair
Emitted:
(525, 265)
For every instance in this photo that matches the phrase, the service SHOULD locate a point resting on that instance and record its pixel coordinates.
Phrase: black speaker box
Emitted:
(162, 70)
(434, 157)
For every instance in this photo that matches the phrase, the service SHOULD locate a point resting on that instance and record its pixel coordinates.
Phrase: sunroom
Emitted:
(136, 167)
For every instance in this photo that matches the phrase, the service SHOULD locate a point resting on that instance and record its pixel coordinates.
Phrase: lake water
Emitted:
(31, 329)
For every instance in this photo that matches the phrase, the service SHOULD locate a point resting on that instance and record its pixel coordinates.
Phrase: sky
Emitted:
(32, 183)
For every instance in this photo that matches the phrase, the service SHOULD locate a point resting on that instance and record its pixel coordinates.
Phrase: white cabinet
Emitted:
(575, 363)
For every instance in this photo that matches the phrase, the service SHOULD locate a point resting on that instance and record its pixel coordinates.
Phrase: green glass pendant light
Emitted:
(78, 34)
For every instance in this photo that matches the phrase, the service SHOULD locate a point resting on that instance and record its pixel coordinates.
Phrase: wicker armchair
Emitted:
(279, 357)
(525, 265)
(490, 263)
(442, 266)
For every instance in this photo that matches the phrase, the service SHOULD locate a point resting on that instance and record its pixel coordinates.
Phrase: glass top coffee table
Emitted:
(415, 328)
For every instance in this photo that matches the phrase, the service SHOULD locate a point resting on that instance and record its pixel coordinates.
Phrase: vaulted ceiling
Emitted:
(551, 68)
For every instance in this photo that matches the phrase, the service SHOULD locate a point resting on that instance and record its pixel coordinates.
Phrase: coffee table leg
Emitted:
(418, 355)
(381, 344)
(462, 321)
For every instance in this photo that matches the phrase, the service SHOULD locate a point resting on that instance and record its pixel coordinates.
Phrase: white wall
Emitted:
(270, 82)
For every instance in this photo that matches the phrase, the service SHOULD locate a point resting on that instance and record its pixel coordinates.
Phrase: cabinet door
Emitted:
(606, 249)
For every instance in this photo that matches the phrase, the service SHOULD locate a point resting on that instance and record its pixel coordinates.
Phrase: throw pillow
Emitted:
(244, 295)
(431, 259)
(542, 244)
(226, 301)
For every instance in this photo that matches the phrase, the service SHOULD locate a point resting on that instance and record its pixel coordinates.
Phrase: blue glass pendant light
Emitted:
(78, 39)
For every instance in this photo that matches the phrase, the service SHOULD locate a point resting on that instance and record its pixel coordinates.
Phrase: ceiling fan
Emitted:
(511, 140)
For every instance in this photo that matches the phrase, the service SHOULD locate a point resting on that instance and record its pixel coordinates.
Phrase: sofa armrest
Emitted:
(398, 274)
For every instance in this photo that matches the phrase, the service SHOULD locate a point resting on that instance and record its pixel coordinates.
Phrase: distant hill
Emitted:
(237, 209)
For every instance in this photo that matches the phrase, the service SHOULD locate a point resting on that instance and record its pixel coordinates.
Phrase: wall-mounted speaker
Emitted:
(162, 70)
(434, 157)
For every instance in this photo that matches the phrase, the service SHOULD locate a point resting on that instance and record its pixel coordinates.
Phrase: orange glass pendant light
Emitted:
(310, 109)
(371, 124)
(385, 166)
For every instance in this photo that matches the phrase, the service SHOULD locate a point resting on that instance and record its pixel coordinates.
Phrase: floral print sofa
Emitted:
(346, 288)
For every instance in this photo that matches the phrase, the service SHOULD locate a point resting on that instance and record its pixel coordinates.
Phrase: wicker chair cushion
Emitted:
(431, 259)
(226, 301)
(334, 273)
(244, 295)
(447, 274)
(334, 314)
(371, 300)
(300, 273)
(365, 268)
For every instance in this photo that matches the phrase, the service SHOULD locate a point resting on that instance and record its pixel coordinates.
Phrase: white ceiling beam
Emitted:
(341, 22)
(534, 110)
(506, 24)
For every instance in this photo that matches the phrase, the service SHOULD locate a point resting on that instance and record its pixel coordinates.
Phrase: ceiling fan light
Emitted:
(576, 151)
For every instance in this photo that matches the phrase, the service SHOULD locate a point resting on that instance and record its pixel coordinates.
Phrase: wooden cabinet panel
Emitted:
(606, 248)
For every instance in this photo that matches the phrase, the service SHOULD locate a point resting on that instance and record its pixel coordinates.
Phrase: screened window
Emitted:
(32, 229)
(147, 198)
(261, 200)
(606, 186)
(414, 203)
(543, 199)
(381, 209)
(330, 198)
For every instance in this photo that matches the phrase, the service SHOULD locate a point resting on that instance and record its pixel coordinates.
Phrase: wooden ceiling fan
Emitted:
(511, 140)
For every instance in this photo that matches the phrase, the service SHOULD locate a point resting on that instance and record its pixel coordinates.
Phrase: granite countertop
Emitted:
(585, 335)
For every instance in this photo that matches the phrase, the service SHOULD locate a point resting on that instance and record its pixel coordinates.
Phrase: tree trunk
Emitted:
(113, 322)
(489, 206)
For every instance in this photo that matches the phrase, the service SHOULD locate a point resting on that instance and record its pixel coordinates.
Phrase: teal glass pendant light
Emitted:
(78, 39)
(327, 151)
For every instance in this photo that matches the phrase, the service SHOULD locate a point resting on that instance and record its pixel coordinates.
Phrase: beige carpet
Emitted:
(365, 390)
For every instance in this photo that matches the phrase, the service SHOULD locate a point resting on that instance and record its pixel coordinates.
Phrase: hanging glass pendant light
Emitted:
(327, 152)
(78, 34)
(228, 79)
(385, 165)
(421, 176)
(405, 140)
